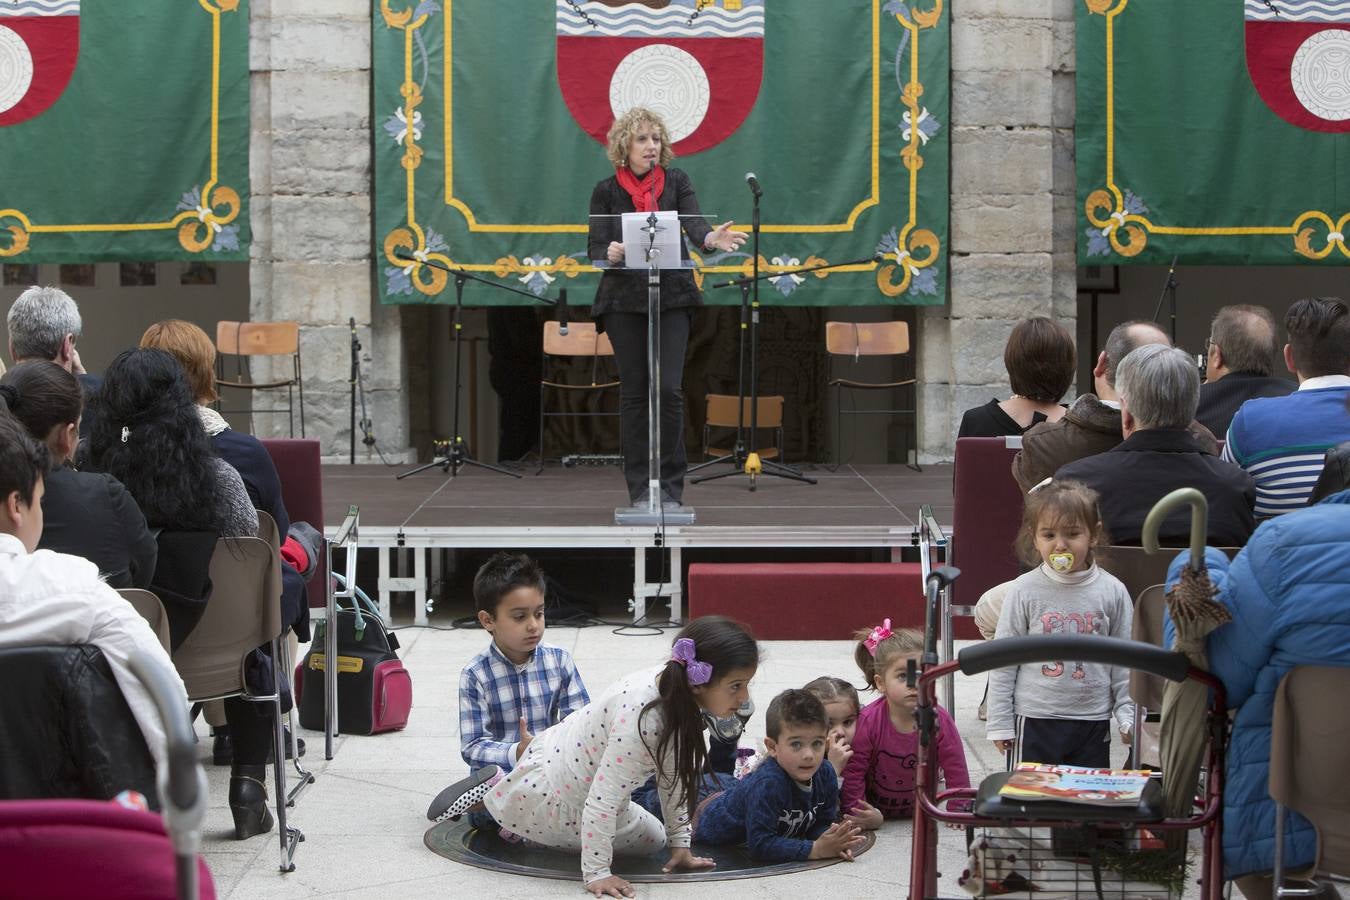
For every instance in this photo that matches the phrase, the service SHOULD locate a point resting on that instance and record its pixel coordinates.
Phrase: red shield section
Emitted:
(50, 45)
(1299, 69)
(734, 68)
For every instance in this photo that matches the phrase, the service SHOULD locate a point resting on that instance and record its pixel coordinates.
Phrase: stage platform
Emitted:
(859, 507)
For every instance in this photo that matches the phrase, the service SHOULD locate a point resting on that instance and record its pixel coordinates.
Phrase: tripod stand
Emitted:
(454, 454)
(742, 460)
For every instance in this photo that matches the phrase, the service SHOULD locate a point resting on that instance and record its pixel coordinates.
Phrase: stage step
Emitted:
(811, 601)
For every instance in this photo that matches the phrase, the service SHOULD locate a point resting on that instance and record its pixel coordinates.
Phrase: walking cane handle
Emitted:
(1199, 522)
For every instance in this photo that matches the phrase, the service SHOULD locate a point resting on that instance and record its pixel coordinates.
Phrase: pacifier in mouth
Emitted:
(1061, 562)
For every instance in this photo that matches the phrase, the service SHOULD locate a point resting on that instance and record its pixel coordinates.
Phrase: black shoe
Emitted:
(248, 802)
(463, 795)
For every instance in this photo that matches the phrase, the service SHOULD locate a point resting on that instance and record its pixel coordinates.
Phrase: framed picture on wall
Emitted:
(1099, 280)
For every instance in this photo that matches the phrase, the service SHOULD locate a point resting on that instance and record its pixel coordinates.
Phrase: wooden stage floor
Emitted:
(409, 523)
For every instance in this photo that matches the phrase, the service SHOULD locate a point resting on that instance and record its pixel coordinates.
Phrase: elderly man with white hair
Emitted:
(44, 324)
(1159, 388)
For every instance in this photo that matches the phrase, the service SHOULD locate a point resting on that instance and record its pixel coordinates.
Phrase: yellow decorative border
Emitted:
(196, 227)
(427, 280)
(1128, 231)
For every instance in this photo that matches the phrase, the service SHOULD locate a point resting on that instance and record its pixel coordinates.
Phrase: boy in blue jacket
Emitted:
(785, 809)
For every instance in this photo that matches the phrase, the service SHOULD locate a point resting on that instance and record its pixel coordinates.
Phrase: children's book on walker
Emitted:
(1068, 784)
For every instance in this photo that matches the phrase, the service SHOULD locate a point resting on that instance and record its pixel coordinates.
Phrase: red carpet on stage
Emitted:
(811, 601)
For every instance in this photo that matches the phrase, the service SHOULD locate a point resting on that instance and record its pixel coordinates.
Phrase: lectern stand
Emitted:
(655, 239)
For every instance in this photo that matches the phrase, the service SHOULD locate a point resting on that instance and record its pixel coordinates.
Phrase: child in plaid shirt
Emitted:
(517, 686)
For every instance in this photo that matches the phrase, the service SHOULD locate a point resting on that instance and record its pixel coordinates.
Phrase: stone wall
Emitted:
(1012, 227)
(311, 210)
(1012, 224)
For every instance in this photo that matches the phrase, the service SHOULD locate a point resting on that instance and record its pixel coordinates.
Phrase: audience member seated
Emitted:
(1092, 424)
(1158, 389)
(87, 514)
(150, 436)
(1239, 359)
(1289, 593)
(1040, 360)
(1282, 441)
(50, 598)
(44, 323)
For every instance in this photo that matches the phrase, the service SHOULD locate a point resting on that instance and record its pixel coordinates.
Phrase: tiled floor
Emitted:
(364, 818)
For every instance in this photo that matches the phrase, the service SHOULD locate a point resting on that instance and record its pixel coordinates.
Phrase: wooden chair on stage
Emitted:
(722, 414)
(247, 339)
(583, 341)
(854, 340)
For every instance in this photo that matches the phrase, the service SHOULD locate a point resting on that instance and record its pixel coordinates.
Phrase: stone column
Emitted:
(311, 213)
(1012, 96)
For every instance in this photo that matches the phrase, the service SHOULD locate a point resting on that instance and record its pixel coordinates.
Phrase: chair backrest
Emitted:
(867, 338)
(722, 411)
(1138, 569)
(151, 610)
(244, 613)
(298, 467)
(267, 530)
(68, 729)
(986, 516)
(1308, 737)
(1147, 627)
(582, 339)
(257, 338)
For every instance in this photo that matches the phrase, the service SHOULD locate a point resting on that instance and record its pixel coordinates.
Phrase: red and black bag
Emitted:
(374, 689)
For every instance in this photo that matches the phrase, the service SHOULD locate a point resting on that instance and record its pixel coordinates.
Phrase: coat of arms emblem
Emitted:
(698, 63)
(1298, 56)
(39, 44)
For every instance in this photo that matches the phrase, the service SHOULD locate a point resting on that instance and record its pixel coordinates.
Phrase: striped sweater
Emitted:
(1282, 441)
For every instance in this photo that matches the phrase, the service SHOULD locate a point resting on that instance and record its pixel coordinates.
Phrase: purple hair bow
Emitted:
(696, 671)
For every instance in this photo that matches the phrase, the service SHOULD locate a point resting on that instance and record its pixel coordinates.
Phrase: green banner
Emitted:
(123, 130)
(1213, 131)
(490, 118)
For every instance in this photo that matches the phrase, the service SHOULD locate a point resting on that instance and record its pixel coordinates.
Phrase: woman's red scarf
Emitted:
(646, 191)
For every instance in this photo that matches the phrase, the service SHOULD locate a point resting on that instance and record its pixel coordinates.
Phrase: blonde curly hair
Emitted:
(626, 127)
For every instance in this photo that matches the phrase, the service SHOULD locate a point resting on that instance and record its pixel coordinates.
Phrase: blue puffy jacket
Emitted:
(1289, 592)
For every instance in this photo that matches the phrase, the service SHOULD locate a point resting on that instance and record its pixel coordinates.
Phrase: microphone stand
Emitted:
(351, 380)
(743, 461)
(456, 454)
(1170, 292)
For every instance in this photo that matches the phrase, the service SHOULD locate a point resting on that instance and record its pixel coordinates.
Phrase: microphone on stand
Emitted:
(562, 311)
(751, 180)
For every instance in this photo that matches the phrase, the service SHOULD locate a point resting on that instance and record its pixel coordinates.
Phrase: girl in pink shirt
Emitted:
(878, 780)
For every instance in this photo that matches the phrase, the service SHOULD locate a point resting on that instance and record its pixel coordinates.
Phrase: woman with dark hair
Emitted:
(87, 514)
(1040, 360)
(149, 436)
(639, 149)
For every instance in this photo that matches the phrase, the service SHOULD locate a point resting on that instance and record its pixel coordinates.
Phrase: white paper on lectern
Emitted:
(636, 240)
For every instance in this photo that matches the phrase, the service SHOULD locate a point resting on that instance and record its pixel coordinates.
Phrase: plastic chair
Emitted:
(148, 605)
(1308, 735)
(243, 339)
(986, 515)
(244, 614)
(1146, 690)
(582, 340)
(299, 468)
(858, 339)
(722, 413)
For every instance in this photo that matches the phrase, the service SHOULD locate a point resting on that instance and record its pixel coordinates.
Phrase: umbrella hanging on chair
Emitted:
(1195, 612)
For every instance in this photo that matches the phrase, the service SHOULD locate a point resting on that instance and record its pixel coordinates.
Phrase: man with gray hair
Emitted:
(1092, 424)
(44, 324)
(1159, 387)
(1240, 356)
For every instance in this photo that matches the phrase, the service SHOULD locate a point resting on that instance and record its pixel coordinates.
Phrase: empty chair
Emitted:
(248, 339)
(1146, 690)
(1309, 734)
(986, 517)
(575, 398)
(850, 341)
(722, 414)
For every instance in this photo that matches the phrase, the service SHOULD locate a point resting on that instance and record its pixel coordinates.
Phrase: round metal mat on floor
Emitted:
(463, 843)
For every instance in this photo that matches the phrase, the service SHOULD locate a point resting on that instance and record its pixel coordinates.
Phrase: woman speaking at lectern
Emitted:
(639, 148)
